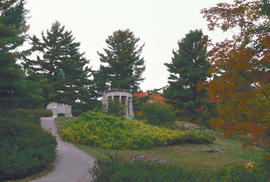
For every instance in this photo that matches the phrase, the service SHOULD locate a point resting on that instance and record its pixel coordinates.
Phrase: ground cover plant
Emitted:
(111, 132)
(25, 148)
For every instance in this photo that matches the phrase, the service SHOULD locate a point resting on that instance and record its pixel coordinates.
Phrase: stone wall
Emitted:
(58, 108)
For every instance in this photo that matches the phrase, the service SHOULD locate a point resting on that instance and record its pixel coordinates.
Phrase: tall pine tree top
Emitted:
(189, 62)
(12, 35)
(62, 67)
(122, 61)
(188, 67)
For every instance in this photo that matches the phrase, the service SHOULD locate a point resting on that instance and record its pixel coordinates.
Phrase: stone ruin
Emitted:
(121, 96)
(58, 108)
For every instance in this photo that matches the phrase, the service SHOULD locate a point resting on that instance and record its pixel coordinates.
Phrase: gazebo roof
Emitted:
(117, 90)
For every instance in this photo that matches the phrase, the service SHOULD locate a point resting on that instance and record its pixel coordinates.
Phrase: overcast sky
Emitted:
(158, 23)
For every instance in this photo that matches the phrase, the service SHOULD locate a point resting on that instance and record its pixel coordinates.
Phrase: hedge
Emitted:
(25, 148)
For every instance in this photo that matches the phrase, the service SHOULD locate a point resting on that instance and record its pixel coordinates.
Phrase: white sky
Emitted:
(158, 23)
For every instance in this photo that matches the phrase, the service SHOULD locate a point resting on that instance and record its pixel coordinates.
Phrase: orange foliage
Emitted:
(241, 71)
(242, 90)
(154, 97)
(157, 98)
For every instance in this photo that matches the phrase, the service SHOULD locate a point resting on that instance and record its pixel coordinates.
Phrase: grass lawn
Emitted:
(187, 155)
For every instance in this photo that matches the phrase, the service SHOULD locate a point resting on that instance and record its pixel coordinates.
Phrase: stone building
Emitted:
(122, 96)
(58, 108)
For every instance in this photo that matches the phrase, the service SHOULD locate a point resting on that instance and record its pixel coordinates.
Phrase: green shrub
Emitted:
(157, 114)
(117, 109)
(24, 148)
(115, 169)
(28, 116)
(252, 172)
(78, 108)
(97, 129)
(15, 113)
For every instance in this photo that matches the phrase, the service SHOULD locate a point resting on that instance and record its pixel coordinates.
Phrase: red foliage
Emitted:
(141, 94)
(201, 108)
(213, 99)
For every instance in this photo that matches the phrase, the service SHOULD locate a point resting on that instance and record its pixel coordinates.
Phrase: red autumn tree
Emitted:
(241, 69)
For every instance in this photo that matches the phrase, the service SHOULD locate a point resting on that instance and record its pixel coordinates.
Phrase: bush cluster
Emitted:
(251, 172)
(111, 132)
(157, 114)
(24, 148)
(26, 116)
(117, 109)
(115, 169)
(78, 108)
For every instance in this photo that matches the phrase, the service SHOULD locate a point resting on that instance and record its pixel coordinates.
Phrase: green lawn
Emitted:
(188, 155)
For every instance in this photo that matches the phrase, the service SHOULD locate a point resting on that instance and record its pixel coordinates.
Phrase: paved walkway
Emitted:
(72, 164)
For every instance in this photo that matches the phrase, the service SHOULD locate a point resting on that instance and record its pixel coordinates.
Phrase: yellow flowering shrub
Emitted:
(98, 129)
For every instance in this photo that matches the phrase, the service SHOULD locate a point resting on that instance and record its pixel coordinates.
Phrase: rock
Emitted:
(139, 157)
(160, 160)
(144, 157)
(213, 150)
(187, 126)
(190, 126)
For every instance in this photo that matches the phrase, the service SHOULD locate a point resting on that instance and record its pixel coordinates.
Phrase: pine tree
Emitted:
(15, 89)
(122, 62)
(60, 66)
(188, 67)
(99, 81)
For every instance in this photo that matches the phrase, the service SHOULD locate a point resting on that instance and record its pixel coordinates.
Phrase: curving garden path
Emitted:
(72, 164)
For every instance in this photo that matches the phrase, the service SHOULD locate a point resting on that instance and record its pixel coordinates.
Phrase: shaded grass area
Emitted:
(186, 155)
(192, 156)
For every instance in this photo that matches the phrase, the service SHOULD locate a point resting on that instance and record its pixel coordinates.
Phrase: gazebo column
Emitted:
(120, 98)
(127, 105)
(130, 106)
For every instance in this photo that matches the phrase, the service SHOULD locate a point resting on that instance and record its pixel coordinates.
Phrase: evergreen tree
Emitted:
(188, 67)
(99, 81)
(15, 89)
(60, 67)
(123, 65)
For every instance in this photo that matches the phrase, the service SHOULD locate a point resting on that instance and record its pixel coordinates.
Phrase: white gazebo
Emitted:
(122, 96)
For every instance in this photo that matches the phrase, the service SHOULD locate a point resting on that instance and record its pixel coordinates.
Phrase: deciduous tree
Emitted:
(241, 69)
